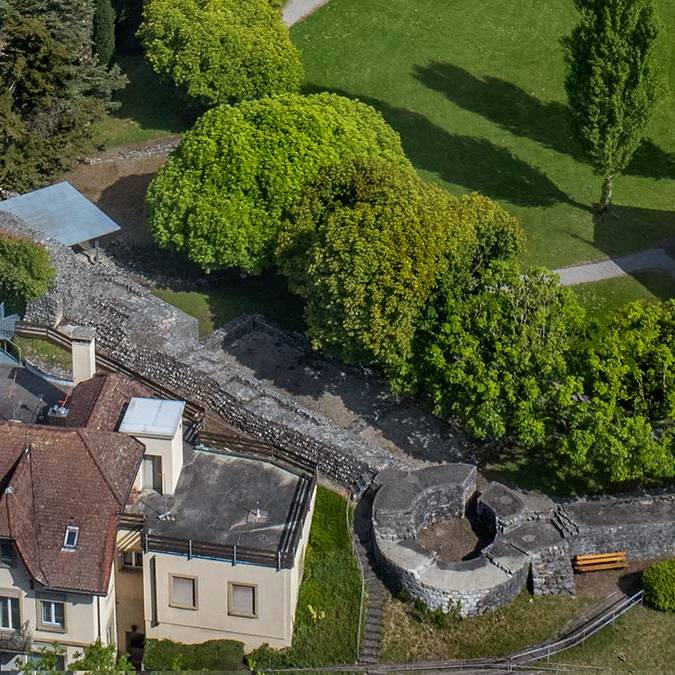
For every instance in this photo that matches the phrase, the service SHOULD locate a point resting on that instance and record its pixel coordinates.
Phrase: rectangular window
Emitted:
(70, 539)
(183, 592)
(152, 473)
(52, 615)
(9, 613)
(243, 600)
(7, 552)
(132, 560)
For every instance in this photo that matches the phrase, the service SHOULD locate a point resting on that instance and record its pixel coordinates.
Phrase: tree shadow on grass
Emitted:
(150, 102)
(524, 115)
(474, 163)
(626, 229)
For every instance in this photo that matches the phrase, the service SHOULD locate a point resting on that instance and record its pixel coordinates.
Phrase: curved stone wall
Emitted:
(407, 501)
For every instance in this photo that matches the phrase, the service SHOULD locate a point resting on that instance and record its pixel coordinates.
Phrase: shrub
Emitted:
(659, 585)
(219, 655)
(221, 52)
(25, 271)
(223, 193)
(365, 246)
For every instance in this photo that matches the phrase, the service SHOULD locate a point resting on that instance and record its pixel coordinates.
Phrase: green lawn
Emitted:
(641, 641)
(602, 297)
(331, 587)
(476, 91)
(224, 300)
(524, 622)
(43, 352)
(149, 109)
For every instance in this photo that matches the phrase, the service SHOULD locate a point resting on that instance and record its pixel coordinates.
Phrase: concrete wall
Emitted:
(211, 621)
(171, 452)
(85, 614)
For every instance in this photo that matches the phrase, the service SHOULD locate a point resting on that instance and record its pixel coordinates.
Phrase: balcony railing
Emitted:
(18, 640)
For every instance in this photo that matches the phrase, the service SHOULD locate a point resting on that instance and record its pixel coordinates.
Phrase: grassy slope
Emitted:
(526, 621)
(601, 297)
(149, 109)
(45, 352)
(640, 642)
(476, 91)
(332, 585)
(223, 301)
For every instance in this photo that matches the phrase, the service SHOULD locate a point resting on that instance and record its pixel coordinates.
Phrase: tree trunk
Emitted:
(606, 198)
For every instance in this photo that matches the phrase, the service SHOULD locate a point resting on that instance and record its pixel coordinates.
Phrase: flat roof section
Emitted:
(23, 395)
(226, 500)
(60, 212)
(154, 417)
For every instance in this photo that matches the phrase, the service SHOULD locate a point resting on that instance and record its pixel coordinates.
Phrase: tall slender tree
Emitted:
(612, 81)
(104, 31)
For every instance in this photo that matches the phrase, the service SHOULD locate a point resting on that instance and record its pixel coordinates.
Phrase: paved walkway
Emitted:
(295, 11)
(649, 259)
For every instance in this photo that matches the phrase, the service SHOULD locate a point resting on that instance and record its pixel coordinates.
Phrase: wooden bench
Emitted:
(596, 562)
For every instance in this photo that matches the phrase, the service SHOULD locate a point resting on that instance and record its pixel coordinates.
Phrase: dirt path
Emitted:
(295, 11)
(649, 259)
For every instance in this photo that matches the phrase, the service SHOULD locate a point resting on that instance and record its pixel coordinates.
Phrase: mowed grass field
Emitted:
(476, 92)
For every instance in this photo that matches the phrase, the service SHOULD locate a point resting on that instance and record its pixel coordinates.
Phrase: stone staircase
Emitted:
(369, 653)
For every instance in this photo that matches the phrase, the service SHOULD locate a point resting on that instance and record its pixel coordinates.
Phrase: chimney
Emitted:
(83, 352)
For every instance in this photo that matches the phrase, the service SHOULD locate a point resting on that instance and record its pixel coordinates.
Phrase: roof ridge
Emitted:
(95, 459)
(94, 400)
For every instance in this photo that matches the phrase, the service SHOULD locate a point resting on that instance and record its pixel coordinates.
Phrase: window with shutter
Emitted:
(183, 592)
(243, 600)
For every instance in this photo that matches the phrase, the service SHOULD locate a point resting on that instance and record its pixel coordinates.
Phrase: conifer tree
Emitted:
(104, 31)
(612, 81)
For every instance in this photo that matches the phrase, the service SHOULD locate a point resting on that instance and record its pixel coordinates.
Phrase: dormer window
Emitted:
(70, 540)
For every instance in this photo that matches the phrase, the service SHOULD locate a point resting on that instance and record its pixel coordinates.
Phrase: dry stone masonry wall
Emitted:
(534, 538)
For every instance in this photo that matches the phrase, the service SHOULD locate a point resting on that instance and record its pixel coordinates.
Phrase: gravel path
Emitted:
(296, 10)
(649, 259)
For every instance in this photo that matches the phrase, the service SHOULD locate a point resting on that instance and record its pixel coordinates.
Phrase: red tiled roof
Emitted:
(99, 403)
(54, 477)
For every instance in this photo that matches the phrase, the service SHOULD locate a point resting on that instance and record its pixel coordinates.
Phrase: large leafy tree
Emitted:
(620, 425)
(365, 246)
(223, 193)
(52, 88)
(612, 81)
(221, 51)
(494, 352)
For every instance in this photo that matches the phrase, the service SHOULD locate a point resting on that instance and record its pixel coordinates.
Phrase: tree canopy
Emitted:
(221, 52)
(621, 426)
(612, 80)
(25, 271)
(52, 88)
(365, 245)
(495, 352)
(223, 193)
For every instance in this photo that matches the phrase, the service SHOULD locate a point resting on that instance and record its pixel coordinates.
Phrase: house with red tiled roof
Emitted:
(63, 491)
(114, 528)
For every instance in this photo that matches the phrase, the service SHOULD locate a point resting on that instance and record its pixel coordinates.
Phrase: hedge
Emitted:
(659, 585)
(211, 655)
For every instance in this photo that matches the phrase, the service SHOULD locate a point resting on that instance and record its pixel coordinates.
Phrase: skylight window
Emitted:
(70, 540)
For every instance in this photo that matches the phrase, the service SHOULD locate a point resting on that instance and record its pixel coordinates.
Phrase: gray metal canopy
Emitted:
(60, 212)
